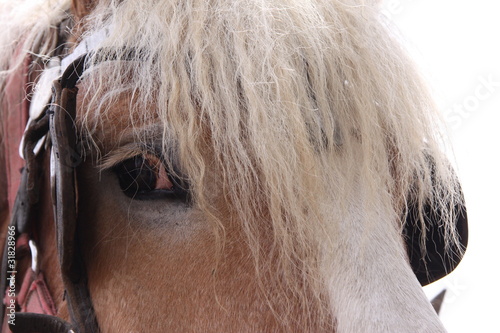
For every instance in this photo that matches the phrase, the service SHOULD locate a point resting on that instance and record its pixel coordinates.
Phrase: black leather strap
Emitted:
(24, 210)
(65, 159)
(40, 323)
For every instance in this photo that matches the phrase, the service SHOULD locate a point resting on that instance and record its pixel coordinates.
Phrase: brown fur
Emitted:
(79, 10)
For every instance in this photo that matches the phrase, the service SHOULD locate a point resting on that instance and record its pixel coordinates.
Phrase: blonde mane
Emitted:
(309, 114)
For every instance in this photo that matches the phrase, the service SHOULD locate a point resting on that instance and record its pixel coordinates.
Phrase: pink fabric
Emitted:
(38, 299)
(16, 113)
(34, 295)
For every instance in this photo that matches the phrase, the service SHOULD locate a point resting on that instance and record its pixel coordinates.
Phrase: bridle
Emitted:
(52, 131)
(57, 125)
(55, 128)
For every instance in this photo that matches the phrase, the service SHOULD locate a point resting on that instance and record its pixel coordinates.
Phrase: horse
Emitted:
(219, 166)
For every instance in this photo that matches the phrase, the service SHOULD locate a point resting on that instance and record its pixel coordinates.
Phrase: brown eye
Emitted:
(144, 177)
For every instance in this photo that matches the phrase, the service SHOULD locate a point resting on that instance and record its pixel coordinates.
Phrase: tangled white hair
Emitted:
(312, 113)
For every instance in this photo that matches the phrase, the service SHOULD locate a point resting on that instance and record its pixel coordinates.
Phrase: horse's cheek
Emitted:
(139, 271)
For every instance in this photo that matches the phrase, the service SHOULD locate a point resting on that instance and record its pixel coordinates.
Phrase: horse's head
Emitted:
(241, 166)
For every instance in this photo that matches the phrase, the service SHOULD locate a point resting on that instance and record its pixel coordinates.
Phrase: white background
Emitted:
(457, 44)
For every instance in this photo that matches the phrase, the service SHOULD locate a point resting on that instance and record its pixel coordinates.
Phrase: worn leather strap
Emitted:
(65, 159)
(40, 323)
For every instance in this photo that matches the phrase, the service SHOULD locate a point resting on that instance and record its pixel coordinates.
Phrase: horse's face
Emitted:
(153, 263)
(298, 128)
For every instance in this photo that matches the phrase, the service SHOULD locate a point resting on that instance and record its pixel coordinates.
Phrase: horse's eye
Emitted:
(144, 177)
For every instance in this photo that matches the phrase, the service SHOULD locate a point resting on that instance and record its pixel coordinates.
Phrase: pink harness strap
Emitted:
(34, 295)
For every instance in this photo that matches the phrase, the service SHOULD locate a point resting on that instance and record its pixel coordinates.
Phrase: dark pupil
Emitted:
(136, 176)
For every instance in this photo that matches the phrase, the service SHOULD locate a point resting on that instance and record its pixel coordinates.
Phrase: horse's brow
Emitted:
(120, 154)
(131, 144)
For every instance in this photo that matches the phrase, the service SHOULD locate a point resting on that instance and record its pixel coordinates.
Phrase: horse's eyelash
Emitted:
(122, 154)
